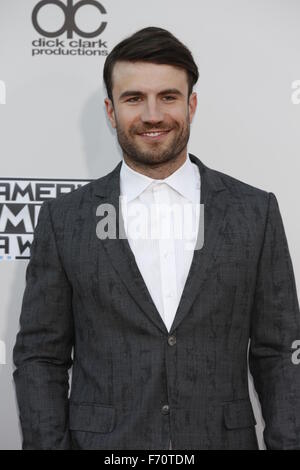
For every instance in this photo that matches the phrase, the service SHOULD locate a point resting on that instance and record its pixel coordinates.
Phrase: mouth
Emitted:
(155, 135)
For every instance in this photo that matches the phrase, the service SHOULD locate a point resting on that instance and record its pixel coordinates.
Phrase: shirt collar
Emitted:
(184, 180)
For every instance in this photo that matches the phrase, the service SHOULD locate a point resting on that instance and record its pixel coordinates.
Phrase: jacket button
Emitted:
(172, 340)
(165, 409)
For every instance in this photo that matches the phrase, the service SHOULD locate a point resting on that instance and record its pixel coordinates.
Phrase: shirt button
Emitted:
(172, 340)
(165, 409)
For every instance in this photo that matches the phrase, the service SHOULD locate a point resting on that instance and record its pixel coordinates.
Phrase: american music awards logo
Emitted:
(69, 28)
(20, 203)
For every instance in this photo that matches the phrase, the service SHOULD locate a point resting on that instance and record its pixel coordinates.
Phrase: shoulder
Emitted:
(82, 196)
(239, 189)
(243, 196)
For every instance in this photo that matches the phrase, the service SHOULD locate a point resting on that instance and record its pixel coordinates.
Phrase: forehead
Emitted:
(147, 77)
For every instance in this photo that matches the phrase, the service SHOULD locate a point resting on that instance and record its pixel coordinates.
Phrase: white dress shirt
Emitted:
(162, 240)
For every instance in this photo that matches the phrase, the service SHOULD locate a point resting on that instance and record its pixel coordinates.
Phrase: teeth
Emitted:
(154, 134)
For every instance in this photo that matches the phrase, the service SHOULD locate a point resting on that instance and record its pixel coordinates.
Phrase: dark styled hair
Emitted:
(154, 45)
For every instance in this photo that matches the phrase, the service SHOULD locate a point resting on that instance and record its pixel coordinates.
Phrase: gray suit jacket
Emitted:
(134, 384)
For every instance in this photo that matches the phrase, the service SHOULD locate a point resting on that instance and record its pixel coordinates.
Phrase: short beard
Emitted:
(155, 156)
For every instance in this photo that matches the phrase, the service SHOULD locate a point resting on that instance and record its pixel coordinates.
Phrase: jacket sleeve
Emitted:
(43, 348)
(275, 325)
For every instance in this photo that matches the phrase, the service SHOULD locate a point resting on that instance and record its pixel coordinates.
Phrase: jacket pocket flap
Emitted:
(239, 414)
(91, 417)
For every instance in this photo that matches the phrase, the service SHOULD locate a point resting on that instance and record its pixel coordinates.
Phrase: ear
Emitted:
(192, 105)
(110, 111)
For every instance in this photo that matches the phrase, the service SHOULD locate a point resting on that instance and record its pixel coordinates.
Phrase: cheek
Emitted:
(177, 113)
(128, 120)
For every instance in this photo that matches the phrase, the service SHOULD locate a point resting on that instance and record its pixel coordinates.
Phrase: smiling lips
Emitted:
(155, 134)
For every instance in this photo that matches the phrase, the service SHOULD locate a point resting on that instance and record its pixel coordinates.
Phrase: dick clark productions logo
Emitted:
(46, 45)
(69, 25)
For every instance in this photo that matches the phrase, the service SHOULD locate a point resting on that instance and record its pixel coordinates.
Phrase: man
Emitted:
(159, 331)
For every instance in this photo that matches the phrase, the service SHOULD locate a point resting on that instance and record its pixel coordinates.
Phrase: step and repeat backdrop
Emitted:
(55, 136)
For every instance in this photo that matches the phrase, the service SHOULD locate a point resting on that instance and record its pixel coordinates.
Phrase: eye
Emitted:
(133, 99)
(169, 97)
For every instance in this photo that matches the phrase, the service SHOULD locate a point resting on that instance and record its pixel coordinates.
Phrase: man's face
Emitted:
(151, 111)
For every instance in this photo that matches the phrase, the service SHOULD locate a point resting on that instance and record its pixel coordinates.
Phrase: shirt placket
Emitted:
(166, 245)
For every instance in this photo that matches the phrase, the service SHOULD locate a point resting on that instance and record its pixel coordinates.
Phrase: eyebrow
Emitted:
(168, 91)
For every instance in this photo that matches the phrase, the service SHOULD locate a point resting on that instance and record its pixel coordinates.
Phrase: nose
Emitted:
(151, 112)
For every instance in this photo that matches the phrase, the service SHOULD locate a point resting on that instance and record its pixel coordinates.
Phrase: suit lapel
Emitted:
(107, 191)
(120, 253)
(215, 199)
